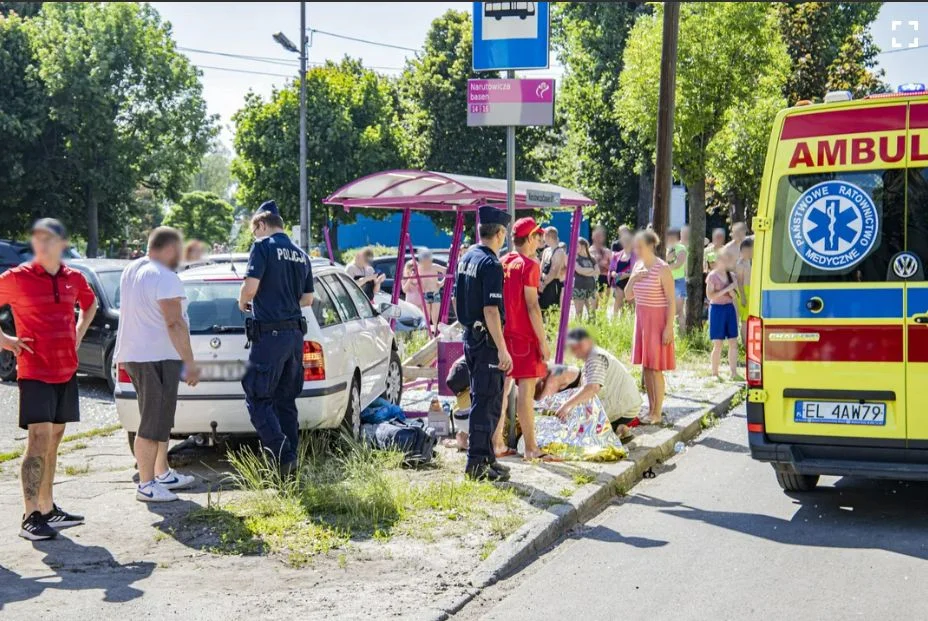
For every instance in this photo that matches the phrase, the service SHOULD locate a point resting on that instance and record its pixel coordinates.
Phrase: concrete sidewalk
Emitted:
(132, 559)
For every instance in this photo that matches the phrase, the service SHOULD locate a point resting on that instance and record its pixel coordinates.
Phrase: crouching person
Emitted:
(605, 377)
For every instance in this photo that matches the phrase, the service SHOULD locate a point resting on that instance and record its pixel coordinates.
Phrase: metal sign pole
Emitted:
(510, 173)
(304, 198)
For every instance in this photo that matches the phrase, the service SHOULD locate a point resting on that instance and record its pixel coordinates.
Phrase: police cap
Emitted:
(492, 215)
(268, 207)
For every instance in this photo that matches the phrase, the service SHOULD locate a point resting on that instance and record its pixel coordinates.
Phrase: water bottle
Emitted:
(679, 447)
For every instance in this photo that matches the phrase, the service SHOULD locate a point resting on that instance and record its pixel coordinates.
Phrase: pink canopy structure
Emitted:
(422, 190)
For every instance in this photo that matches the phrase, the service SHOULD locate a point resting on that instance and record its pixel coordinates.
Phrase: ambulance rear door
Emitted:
(833, 321)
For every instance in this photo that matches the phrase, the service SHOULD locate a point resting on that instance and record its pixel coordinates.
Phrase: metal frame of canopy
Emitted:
(421, 190)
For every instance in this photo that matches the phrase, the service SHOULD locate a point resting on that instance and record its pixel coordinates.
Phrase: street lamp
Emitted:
(288, 45)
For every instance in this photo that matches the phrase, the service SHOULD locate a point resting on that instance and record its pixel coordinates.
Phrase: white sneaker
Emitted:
(172, 479)
(154, 492)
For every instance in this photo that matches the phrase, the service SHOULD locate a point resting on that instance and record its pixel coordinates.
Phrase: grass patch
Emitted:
(582, 478)
(92, 433)
(351, 491)
(488, 548)
(410, 342)
(73, 471)
(566, 492)
(10, 455)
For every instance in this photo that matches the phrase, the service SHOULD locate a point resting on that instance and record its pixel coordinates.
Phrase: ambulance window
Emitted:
(838, 226)
(918, 213)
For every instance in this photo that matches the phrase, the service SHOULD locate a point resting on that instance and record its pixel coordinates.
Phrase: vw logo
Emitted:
(215, 343)
(905, 265)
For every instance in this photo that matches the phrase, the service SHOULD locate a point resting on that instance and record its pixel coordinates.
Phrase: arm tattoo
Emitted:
(32, 476)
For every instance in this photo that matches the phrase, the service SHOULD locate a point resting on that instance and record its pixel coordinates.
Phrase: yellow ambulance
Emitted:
(837, 343)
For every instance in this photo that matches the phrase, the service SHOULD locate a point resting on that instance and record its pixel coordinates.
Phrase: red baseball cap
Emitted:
(525, 227)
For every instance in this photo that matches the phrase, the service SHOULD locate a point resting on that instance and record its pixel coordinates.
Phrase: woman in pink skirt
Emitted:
(651, 286)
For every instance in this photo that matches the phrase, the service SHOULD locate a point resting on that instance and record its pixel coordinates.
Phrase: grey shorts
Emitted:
(156, 386)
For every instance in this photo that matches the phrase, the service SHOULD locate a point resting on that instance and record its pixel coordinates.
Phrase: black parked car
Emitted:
(95, 356)
(12, 253)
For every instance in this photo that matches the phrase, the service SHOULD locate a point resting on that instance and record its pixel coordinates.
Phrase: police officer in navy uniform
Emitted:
(479, 306)
(278, 283)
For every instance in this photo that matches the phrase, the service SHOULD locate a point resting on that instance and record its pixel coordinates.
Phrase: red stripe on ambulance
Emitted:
(834, 343)
(918, 343)
(860, 121)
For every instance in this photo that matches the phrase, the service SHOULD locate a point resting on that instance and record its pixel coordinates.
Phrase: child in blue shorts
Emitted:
(722, 289)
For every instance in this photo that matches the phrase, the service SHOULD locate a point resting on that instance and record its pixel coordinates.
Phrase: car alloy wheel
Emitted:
(394, 380)
(352, 420)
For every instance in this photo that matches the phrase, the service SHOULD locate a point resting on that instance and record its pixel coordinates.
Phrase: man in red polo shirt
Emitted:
(524, 331)
(43, 294)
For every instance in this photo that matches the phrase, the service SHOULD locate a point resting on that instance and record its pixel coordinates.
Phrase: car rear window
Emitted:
(212, 306)
(838, 226)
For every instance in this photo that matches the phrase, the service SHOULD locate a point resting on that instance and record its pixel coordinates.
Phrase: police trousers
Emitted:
(272, 383)
(486, 393)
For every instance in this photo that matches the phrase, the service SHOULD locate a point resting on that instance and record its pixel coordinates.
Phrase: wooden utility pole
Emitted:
(664, 156)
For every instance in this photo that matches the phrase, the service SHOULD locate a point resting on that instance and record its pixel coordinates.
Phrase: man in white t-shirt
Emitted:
(605, 377)
(153, 344)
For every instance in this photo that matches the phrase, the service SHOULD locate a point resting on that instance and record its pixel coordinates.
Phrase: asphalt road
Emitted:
(97, 410)
(714, 537)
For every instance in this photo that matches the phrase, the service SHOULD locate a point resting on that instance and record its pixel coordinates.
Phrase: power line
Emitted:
(261, 59)
(232, 70)
(359, 40)
(903, 49)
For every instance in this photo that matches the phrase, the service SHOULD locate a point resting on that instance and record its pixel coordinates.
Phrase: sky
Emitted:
(245, 29)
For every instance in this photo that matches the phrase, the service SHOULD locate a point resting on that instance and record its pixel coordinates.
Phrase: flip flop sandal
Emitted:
(547, 458)
(506, 453)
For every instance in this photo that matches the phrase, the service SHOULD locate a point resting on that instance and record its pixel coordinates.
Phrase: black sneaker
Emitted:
(58, 518)
(483, 471)
(500, 466)
(35, 528)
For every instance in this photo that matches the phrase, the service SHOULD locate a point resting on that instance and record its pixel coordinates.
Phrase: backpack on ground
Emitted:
(413, 438)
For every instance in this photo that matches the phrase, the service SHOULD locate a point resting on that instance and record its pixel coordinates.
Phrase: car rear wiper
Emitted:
(219, 329)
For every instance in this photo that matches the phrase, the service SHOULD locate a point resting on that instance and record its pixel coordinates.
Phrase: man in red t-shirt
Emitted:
(43, 294)
(524, 331)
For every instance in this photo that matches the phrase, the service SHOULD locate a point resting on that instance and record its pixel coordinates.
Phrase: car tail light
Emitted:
(313, 362)
(122, 376)
(755, 352)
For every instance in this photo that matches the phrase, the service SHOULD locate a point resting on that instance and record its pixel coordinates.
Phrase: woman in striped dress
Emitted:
(651, 286)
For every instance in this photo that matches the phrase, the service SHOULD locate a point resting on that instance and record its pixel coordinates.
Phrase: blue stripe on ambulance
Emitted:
(918, 301)
(861, 303)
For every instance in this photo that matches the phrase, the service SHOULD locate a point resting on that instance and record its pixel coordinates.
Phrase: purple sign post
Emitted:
(516, 102)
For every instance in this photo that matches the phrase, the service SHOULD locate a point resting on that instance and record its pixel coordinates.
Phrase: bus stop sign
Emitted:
(511, 35)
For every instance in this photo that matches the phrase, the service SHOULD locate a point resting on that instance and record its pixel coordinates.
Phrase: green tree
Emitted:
(737, 153)
(830, 47)
(23, 9)
(203, 216)
(353, 131)
(596, 157)
(215, 172)
(433, 96)
(24, 126)
(725, 50)
(127, 106)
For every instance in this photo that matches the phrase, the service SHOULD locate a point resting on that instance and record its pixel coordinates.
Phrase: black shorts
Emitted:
(41, 402)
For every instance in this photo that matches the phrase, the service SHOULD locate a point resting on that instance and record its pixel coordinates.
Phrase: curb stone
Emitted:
(544, 530)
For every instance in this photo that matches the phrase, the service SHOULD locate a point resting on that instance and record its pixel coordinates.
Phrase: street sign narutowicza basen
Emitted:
(521, 102)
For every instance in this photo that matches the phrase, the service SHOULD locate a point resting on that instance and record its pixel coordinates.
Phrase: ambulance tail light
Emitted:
(755, 352)
(122, 376)
(313, 362)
